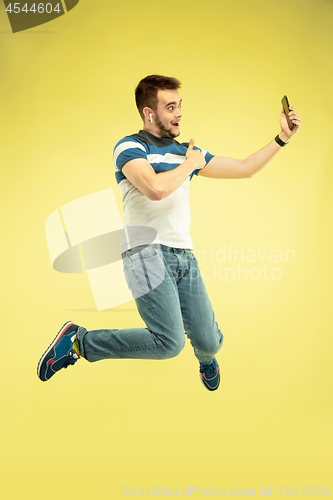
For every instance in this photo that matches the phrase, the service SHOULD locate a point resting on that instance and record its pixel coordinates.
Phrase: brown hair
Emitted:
(146, 91)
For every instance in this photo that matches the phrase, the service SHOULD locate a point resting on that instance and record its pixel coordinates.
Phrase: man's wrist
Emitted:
(193, 164)
(284, 138)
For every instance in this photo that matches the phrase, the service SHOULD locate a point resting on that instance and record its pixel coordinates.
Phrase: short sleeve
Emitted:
(207, 156)
(128, 149)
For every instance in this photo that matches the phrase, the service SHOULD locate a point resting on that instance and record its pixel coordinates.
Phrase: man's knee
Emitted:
(174, 346)
(210, 345)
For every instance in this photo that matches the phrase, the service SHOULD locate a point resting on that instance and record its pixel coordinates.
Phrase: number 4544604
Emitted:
(40, 8)
(311, 491)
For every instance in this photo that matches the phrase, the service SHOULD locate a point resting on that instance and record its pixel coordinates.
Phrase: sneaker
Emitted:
(210, 375)
(60, 354)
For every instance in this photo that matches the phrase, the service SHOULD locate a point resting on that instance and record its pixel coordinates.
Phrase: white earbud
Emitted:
(151, 119)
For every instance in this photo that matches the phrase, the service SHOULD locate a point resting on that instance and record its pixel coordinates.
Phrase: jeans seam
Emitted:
(136, 349)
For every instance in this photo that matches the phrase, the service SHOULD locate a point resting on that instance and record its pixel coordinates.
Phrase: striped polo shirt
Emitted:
(165, 221)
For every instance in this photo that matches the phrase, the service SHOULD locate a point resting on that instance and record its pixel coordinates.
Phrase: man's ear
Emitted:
(147, 111)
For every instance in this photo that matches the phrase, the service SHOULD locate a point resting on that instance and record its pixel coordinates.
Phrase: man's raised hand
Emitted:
(195, 156)
(294, 117)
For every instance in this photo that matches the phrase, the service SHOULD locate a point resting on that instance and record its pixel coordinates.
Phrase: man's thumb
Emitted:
(191, 144)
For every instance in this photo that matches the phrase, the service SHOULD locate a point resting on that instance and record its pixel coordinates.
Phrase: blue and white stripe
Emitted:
(162, 159)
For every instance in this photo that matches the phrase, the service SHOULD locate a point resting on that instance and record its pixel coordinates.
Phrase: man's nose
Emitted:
(179, 113)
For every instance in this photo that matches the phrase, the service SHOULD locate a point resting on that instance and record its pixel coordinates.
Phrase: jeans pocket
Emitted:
(143, 253)
(144, 269)
(127, 273)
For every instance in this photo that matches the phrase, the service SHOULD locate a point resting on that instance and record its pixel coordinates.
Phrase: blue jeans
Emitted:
(171, 298)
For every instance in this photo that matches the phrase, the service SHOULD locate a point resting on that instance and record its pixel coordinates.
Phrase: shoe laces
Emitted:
(210, 371)
(72, 360)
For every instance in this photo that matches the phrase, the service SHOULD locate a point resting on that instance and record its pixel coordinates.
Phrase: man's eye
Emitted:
(171, 108)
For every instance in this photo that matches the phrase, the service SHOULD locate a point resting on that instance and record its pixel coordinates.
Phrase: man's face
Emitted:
(168, 114)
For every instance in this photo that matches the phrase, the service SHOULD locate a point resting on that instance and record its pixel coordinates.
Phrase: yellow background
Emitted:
(67, 96)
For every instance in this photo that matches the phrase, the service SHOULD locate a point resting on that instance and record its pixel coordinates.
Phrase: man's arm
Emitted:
(230, 168)
(158, 186)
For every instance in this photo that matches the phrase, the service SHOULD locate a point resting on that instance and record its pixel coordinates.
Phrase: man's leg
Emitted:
(159, 308)
(197, 312)
(199, 320)
(156, 296)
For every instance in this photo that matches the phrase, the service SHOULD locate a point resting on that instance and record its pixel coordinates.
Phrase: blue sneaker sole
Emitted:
(55, 341)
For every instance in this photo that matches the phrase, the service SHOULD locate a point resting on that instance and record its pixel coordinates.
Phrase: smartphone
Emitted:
(285, 104)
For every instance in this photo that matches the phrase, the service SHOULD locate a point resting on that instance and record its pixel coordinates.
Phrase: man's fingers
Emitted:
(191, 144)
(190, 148)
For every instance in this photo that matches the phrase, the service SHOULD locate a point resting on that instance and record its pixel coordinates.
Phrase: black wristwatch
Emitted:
(280, 143)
